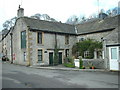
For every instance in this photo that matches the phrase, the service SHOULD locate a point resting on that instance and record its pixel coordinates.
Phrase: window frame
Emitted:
(40, 55)
(67, 39)
(23, 41)
(67, 52)
(86, 54)
(39, 38)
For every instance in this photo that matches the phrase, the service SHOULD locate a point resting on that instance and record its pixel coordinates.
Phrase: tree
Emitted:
(45, 17)
(36, 16)
(109, 12)
(9, 23)
(114, 11)
(72, 20)
(86, 45)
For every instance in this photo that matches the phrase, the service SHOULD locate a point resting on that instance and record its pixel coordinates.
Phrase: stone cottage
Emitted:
(34, 41)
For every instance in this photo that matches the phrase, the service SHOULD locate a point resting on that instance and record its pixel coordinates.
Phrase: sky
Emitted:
(60, 10)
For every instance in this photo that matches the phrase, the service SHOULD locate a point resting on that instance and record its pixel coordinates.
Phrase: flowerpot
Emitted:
(93, 67)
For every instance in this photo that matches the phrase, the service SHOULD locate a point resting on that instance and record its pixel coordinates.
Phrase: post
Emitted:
(11, 48)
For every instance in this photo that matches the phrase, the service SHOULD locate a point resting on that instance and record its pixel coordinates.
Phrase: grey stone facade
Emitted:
(105, 30)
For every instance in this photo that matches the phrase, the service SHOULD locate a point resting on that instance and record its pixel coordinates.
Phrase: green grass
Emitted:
(69, 65)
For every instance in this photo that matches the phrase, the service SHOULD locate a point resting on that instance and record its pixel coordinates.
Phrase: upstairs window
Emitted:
(67, 52)
(39, 36)
(23, 39)
(67, 39)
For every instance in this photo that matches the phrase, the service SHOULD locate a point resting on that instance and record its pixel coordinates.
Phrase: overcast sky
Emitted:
(60, 10)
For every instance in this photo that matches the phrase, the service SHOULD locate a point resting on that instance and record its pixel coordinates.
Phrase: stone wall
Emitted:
(17, 51)
(99, 64)
(95, 36)
(49, 45)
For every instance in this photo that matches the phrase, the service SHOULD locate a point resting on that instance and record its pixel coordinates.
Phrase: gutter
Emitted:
(53, 32)
(104, 30)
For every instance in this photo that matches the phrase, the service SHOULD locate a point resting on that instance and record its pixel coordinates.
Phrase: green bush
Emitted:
(81, 63)
(87, 45)
(69, 65)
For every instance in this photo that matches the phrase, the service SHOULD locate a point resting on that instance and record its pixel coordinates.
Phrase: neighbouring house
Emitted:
(103, 30)
(33, 42)
(5, 42)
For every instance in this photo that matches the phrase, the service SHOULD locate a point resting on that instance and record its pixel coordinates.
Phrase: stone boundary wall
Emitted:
(98, 63)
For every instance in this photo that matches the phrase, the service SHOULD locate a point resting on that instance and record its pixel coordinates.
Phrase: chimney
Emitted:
(20, 12)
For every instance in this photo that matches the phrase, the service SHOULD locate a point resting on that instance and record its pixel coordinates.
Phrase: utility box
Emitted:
(76, 61)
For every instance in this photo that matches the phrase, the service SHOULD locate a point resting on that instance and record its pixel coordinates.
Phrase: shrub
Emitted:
(81, 63)
(86, 45)
(69, 65)
(69, 62)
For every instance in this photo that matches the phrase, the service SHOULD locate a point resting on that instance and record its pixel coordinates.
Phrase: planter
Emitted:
(92, 67)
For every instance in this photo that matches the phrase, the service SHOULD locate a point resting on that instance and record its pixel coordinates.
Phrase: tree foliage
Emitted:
(9, 23)
(43, 17)
(81, 19)
(86, 45)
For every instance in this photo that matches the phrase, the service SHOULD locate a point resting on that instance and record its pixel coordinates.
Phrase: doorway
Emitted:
(50, 58)
(114, 58)
(60, 58)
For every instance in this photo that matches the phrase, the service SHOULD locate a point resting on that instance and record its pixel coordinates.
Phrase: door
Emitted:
(50, 58)
(60, 58)
(114, 58)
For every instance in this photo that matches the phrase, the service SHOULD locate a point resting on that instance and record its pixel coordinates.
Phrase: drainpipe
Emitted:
(11, 48)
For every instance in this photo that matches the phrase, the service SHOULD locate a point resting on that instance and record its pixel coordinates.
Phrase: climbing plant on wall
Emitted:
(87, 45)
(56, 50)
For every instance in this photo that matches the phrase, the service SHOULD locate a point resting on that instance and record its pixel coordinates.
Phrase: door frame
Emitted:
(111, 61)
(49, 56)
(61, 57)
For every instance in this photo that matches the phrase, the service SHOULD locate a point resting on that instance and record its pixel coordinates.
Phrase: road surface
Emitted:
(16, 76)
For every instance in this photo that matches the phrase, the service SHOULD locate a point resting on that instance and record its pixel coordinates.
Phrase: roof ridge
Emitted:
(47, 21)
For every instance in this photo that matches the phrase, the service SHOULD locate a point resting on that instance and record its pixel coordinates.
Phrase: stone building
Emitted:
(33, 42)
(103, 30)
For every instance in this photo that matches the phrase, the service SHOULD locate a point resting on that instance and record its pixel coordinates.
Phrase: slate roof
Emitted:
(48, 26)
(98, 25)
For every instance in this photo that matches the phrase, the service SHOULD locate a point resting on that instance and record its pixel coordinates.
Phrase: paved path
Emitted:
(26, 77)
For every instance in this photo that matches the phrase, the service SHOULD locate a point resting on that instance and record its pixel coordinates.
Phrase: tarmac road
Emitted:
(15, 76)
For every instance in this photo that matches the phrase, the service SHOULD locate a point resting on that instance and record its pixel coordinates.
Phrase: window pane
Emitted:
(39, 52)
(23, 39)
(39, 58)
(66, 39)
(39, 37)
(113, 53)
(39, 55)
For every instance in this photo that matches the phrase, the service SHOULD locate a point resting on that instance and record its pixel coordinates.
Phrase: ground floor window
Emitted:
(67, 52)
(40, 55)
(86, 54)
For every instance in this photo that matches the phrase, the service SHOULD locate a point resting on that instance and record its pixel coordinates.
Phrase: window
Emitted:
(39, 36)
(40, 55)
(67, 52)
(81, 39)
(23, 39)
(67, 39)
(113, 53)
(86, 54)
